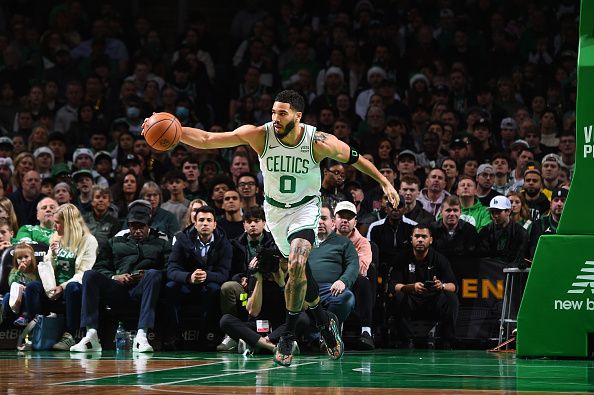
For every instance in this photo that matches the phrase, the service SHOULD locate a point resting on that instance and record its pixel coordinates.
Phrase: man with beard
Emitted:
(25, 198)
(42, 232)
(290, 153)
(410, 190)
(551, 168)
(503, 238)
(547, 224)
(365, 285)
(536, 200)
(424, 286)
(434, 192)
(485, 179)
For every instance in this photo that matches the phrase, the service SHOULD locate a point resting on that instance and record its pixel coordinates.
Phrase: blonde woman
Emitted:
(189, 217)
(7, 211)
(72, 251)
(520, 212)
(24, 162)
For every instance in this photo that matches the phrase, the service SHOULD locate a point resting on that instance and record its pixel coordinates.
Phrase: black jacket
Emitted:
(460, 247)
(407, 270)
(546, 225)
(240, 261)
(122, 254)
(420, 215)
(26, 211)
(391, 239)
(185, 258)
(508, 244)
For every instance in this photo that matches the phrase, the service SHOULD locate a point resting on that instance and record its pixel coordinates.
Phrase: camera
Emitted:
(268, 260)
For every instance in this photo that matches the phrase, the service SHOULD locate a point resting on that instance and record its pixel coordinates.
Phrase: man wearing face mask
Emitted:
(133, 116)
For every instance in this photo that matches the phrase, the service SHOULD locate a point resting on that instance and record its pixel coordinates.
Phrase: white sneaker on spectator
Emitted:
(228, 344)
(141, 344)
(89, 343)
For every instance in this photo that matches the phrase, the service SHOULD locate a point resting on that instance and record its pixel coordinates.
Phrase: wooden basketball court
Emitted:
(380, 372)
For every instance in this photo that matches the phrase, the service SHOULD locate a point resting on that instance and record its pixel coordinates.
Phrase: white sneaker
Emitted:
(244, 349)
(228, 344)
(141, 344)
(89, 343)
(296, 350)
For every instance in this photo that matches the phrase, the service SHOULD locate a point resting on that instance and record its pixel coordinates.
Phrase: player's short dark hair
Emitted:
(294, 99)
(254, 212)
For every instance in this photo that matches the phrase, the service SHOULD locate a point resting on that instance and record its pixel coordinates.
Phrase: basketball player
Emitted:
(290, 153)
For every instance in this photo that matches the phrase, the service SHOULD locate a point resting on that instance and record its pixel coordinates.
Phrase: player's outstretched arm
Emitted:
(246, 134)
(328, 146)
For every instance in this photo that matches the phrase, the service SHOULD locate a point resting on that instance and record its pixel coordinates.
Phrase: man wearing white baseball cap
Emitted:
(345, 215)
(503, 239)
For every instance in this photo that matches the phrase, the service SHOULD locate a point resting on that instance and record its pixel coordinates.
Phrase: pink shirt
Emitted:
(363, 250)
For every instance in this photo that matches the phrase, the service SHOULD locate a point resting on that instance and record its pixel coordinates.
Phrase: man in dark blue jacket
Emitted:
(199, 264)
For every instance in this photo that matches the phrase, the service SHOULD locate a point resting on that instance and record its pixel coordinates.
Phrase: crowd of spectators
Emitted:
(467, 106)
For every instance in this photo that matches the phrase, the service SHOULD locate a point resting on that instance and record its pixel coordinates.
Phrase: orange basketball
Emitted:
(162, 131)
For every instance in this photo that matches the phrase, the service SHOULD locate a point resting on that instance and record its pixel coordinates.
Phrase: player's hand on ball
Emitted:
(144, 123)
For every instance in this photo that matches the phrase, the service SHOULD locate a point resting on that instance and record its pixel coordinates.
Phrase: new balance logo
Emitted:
(584, 280)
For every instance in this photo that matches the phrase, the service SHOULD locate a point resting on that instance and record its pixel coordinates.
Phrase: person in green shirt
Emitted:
(72, 251)
(39, 233)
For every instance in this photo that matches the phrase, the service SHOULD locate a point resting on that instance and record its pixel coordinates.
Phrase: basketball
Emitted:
(162, 131)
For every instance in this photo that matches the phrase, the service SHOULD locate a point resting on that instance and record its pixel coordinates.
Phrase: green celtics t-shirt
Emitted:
(33, 233)
(64, 265)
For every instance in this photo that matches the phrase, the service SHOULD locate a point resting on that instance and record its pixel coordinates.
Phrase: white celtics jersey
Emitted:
(290, 173)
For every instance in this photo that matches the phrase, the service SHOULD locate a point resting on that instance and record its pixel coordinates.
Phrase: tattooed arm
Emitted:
(328, 146)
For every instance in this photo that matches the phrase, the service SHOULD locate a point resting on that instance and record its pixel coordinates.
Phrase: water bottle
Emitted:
(120, 338)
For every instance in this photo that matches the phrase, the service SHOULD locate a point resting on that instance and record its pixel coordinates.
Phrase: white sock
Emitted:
(141, 333)
(91, 332)
(366, 329)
